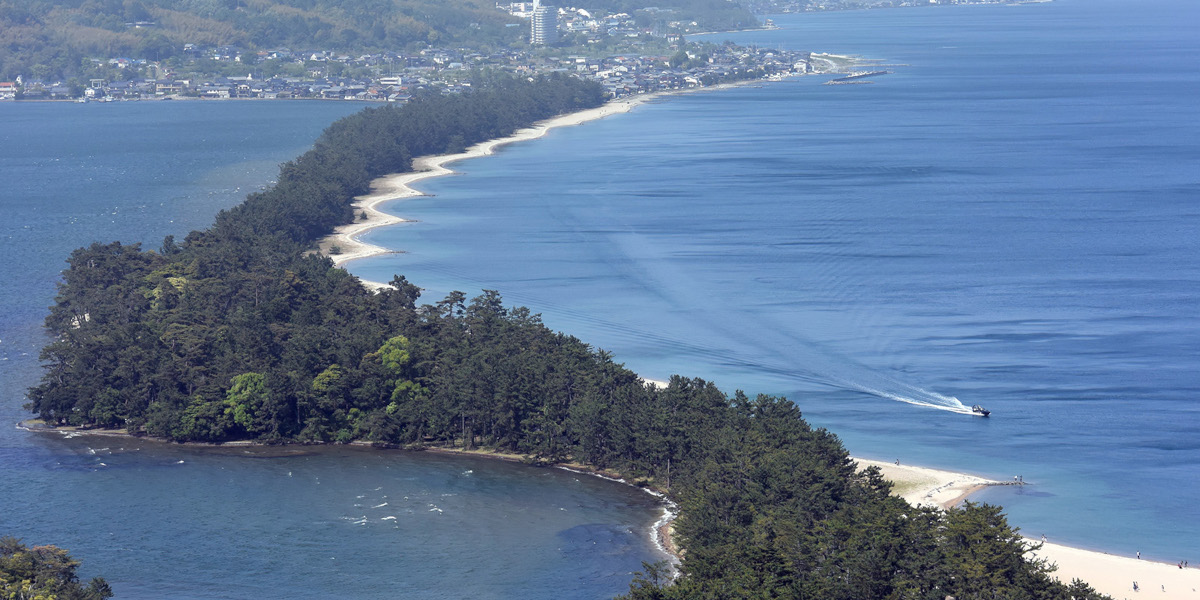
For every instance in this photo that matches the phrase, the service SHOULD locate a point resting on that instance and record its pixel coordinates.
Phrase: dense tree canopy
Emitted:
(43, 572)
(241, 333)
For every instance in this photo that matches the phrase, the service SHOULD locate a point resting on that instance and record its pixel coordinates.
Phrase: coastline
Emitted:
(931, 488)
(659, 532)
(398, 186)
(1108, 573)
(1114, 575)
(1146, 581)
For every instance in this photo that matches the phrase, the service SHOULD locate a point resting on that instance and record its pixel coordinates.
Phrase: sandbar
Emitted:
(920, 486)
(1114, 575)
(399, 185)
(1108, 573)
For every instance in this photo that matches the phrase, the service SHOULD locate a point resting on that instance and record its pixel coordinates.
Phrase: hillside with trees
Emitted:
(45, 572)
(45, 37)
(241, 332)
(58, 39)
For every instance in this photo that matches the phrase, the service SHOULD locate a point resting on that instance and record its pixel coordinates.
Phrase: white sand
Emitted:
(1107, 573)
(398, 186)
(1114, 575)
(921, 486)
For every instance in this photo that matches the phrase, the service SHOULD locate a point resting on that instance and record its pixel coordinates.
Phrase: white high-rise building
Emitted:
(543, 25)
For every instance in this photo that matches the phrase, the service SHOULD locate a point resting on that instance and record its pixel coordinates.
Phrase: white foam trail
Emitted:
(792, 355)
(940, 402)
(380, 505)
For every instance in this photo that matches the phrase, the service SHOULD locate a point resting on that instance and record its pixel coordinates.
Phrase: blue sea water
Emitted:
(1011, 218)
(164, 521)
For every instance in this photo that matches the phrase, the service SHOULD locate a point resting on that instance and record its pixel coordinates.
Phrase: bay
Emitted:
(1008, 219)
(165, 521)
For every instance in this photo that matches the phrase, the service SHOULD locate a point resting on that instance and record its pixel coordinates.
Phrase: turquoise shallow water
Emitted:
(1009, 219)
(163, 521)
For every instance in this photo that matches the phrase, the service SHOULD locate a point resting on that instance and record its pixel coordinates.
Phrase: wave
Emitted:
(670, 510)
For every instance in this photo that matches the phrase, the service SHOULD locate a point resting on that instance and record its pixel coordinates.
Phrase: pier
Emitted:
(856, 77)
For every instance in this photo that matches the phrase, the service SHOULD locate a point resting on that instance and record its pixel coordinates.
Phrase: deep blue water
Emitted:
(1009, 219)
(163, 521)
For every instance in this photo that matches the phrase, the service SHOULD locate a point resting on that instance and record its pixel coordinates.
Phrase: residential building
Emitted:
(543, 25)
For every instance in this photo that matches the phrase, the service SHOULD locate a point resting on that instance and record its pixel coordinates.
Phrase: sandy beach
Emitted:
(921, 486)
(1114, 575)
(1110, 574)
(399, 185)
(1107, 573)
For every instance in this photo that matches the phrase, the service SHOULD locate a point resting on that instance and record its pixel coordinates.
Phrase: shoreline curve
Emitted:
(1106, 572)
(398, 186)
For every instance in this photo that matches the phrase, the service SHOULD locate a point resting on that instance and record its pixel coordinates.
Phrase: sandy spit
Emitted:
(1108, 573)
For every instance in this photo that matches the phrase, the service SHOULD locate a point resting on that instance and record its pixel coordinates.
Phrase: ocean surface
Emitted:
(166, 521)
(1011, 218)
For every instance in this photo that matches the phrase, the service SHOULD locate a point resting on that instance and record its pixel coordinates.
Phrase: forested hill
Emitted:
(54, 36)
(44, 572)
(153, 340)
(50, 39)
(240, 333)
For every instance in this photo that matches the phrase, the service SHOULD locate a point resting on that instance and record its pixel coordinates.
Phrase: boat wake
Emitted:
(925, 398)
(761, 346)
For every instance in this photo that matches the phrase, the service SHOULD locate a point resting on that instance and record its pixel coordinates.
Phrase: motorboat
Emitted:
(981, 411)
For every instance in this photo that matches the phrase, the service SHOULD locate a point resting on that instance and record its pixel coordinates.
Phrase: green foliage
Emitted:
(394, 354)
(53, 39)
(248, 401)
(57, 36)
(241, 333)
(44, 572)
(709, 15)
